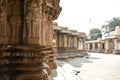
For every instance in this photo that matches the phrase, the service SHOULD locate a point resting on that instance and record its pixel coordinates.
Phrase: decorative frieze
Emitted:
(22, 58)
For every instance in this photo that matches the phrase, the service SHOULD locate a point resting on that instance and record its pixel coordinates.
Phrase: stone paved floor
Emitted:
(98, 66)
(64, 72)
(95, 67)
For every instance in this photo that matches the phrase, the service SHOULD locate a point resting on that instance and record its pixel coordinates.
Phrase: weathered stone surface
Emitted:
(26, 33)
(24, 61)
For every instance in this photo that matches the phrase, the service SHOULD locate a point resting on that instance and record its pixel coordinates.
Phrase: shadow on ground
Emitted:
(77, 62)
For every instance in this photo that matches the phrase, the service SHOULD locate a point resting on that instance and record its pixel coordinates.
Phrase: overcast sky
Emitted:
(83, 15)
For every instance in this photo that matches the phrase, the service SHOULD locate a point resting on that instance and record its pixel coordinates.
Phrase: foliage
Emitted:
(110, 26)
(95, 33)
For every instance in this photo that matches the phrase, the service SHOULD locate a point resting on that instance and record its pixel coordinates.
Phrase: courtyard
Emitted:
(96, 66)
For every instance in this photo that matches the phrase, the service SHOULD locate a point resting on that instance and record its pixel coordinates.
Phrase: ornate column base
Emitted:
(26, 62)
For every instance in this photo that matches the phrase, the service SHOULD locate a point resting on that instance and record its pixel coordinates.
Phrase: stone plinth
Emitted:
(116, 51)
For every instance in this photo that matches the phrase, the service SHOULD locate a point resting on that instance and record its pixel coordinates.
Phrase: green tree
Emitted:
(94, 34)
(110, 25)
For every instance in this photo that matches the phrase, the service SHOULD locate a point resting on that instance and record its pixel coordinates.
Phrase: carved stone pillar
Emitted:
(115, 44)
(83, 43)
(93, 48)
(68, 40)
(115, 50)
(78, 43)
(107, 46)
(75, 41)
(65, 40)
(60, 40)
(88, 46)
(26, 33)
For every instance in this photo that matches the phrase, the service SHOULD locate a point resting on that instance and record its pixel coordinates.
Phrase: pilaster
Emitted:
(93, 46)
(115, 44)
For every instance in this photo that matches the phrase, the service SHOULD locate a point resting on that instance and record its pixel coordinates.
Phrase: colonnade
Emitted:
(107, 45)
(69, 41)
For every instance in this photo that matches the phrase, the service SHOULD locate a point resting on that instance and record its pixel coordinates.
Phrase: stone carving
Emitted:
(2, 22)
(44, 28)
(14, 20)
(33, 19)
(29, 24)
(36, 25)
(26, 55)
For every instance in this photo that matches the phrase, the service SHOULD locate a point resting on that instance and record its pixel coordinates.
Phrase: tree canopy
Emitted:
(95, 33)
(110, 26)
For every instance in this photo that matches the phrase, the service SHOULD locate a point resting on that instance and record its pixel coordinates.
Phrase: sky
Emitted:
(83, 15)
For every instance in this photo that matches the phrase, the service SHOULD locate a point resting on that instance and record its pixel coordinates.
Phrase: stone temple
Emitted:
(69, 43)
(26, 33)
(108, 44)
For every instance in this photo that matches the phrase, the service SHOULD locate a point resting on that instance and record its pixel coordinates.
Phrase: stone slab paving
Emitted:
(98, 67)
(95, 67)
(64, 71)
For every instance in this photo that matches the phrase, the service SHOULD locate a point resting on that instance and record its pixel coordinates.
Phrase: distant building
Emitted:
(109, 44)
(68, 43)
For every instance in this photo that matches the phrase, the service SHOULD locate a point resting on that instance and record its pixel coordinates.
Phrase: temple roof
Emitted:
(111, 37)
(66, 31)
(63, 28)
(56, 28)
(82, 34)
(93, 41)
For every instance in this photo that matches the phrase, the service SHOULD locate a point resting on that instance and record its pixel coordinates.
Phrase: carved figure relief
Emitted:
(29, 24)
(33, 19)
(16, 8)
(9, 14)
(15, 20)
(2, 21)
(36, 20)
(2, 13)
